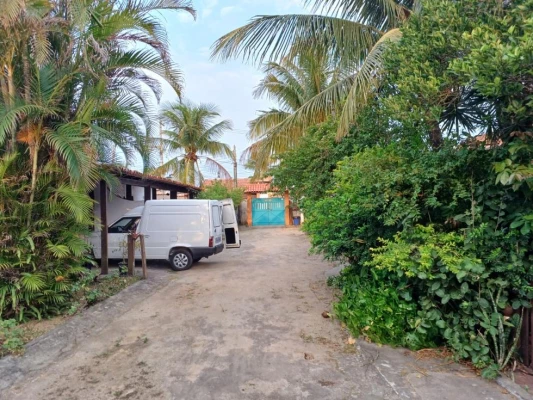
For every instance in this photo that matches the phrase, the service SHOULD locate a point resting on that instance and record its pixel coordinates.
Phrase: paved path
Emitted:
(245, 324)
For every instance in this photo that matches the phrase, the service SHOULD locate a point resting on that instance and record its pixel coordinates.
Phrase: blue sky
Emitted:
(228, 85)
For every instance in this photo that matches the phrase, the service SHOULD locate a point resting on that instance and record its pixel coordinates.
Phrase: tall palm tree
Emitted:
(290, 83)
(193, 134)
(354, 31)
(98, 78)
(74, 81)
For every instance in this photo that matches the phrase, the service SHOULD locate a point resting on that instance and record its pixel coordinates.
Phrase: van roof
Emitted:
(184, 202)
(135, 212)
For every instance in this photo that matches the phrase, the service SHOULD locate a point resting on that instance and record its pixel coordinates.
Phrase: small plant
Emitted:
(92, 296)
(10, 337)
(504, 335)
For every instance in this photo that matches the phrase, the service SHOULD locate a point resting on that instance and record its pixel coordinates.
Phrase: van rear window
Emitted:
(216, 216)
(228, 214)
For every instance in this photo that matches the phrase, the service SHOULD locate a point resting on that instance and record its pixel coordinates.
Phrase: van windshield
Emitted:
(123, 225)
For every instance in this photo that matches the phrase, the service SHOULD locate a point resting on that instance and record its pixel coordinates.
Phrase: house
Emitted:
(264, 205)
(133, 190)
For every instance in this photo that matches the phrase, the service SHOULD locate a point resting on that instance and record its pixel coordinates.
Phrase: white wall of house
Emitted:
(117, 206)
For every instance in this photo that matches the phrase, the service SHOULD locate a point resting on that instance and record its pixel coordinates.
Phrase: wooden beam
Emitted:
(131, 255)
(104, 262)
(157, 185)
(143, 257)
(91, 225)
(147, 193)
(248, 209)
(154, 193)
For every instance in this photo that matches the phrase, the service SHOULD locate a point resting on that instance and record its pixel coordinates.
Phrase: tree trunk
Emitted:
(11, 97)
(435, 135)
(34, 156)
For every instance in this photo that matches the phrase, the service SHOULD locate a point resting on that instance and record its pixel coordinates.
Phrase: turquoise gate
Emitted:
(268, 212)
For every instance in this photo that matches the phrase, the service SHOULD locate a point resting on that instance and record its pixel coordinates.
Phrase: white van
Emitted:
(180, 231)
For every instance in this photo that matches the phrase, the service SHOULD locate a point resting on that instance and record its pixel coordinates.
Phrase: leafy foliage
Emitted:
(433, 218)
(220, 191)
(354, 35)
(77, 82)
(10, 337)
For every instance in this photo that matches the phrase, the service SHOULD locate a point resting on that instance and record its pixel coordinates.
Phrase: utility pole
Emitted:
(235, 184)
(161, 148)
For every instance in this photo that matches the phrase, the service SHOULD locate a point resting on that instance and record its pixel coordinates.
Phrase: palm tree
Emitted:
(81, 58)
(291, 83)
(84, 84)
(354, 31)
(192, 135)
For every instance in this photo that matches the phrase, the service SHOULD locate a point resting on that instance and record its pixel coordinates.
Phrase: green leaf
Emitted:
(483, 303)
(517, 223)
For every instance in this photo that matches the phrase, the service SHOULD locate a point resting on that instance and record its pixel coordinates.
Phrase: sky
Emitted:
(228, 85)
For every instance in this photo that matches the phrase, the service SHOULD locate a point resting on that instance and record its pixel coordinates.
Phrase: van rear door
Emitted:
(231, 228)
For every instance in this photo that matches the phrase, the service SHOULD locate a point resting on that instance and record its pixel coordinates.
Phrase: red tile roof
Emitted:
(121, 171)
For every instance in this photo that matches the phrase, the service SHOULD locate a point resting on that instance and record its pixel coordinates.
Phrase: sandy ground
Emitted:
(245, 324)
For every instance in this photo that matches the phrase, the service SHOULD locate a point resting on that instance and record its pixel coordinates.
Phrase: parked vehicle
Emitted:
(180, 231)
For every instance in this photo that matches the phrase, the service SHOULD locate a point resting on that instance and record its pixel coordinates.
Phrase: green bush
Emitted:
(11, 341)
(459, 290)
(380, 191)
(380, 307)
(42, 247)
(220, 191)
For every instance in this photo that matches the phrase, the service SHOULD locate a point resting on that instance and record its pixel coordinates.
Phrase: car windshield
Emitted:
(124, 225)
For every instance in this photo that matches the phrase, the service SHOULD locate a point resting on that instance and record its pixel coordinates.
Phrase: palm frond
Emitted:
(274, 37)
(385, 14)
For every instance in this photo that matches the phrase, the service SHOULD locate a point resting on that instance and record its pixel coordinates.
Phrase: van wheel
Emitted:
(180, 259)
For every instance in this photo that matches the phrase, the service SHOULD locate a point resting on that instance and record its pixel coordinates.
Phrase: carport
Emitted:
(135, 188)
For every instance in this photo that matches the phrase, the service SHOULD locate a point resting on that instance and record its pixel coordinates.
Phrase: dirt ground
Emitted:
(245, 324)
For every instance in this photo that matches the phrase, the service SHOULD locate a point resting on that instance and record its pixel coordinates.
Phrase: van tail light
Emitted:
(211, 239)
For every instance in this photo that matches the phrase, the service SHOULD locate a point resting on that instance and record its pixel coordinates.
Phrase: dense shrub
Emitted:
(435, 224)
(42, 245)
(221, 191)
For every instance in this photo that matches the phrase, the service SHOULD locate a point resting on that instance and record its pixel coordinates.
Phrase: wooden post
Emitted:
(248, 209)
(287, 208)
(91, 225)
(131, 255)
(143, 258)
(104, 261)
(173, 195)
(154, 194)
(147, 193)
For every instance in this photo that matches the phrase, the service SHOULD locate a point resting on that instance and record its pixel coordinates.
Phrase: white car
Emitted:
(180, 231)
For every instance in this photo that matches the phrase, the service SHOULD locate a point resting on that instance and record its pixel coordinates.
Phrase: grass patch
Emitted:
(90, 290)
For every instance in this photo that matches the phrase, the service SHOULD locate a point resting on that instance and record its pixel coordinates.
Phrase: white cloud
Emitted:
(185, 17)
(227, 10)
(208, 7)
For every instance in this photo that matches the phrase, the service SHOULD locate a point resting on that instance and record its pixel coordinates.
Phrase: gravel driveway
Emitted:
(245, 324)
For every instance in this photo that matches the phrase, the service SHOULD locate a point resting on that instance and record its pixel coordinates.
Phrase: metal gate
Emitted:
(268, 212)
